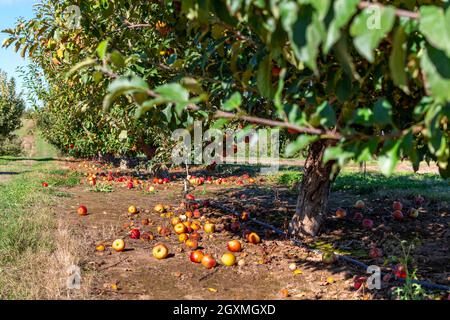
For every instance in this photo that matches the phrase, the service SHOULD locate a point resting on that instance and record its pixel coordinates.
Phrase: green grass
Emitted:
(26, 225)
(43, 148)
(358, 183)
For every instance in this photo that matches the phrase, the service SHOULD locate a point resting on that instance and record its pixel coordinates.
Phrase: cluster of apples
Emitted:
(366, 223)
(413, 213)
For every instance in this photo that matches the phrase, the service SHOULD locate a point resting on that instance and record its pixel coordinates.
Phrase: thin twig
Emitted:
(398, 12)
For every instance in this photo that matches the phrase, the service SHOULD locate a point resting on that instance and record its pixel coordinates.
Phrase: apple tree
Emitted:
(352, 80)
(11, 109)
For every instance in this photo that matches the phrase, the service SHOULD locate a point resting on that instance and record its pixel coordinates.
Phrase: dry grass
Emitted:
(36, 248)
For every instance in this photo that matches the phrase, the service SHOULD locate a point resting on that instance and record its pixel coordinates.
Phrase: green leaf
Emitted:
(233, 103)
(301, 143)
(389, 159)
(148, 105)
(397, 60)
(363, 116)
(173, 92)
(81, 65)
(337, 154)
(102, 48)
(370, 27)
(343, 12)
(264, 78)
(305, 30)
(192, 85)
(435, 26)
(117, 59)
(436, 66)
(122, 86)
(382, 112)
(325, 114)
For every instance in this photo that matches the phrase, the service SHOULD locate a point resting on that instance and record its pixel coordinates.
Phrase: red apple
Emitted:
(197, 213)
(196, 256)
(367, 223)
(400, 271)
(398, 215)
(135, 234)
(191, 244)
(397, 205)
(235, 226)
(195, 236)
(190, 197)
(208, 261)
(82, 211)
(234, 246)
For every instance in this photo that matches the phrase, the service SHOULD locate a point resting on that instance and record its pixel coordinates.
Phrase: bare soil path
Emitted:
(138, 275)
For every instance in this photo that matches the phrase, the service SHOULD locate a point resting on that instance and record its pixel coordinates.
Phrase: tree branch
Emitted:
(398, 12)
(273, 123)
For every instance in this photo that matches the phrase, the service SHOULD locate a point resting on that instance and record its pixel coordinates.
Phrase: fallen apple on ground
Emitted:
(183, 237)
(160, 251)
(209, 227)
(397, 205)
(208, 261)
(253, 238)
(360, 204)
(82, 210)
(367, 223)
(196, 256)
(398, 215)
(180, 228)
(414, 213)
(132, 210)
(234, 246)
(135, 234)
(228, 259)
(191, 244)
(118, 245)
(159, 208)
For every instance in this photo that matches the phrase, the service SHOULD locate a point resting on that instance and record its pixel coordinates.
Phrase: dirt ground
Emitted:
(265, 271)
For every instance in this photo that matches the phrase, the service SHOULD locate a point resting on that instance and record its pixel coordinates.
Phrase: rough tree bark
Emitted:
(149, 151)
(312, 203)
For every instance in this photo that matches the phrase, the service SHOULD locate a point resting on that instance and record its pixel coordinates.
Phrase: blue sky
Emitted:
(10, 10)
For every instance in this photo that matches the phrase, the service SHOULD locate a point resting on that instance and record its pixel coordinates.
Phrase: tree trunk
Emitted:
(149, 151)
(312, 203)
